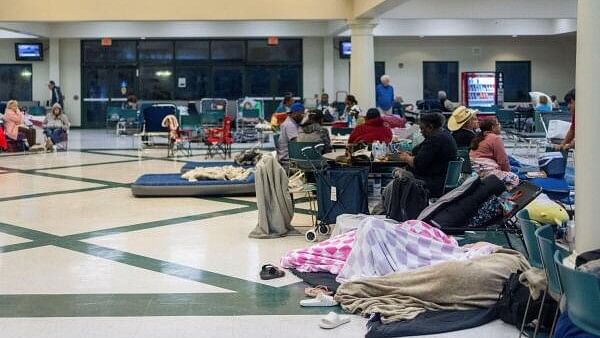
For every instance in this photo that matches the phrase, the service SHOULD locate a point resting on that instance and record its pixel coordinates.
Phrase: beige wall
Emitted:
(312, 55)
(552, 60)
(40, 90)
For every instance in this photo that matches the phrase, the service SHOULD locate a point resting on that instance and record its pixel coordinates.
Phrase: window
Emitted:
(155, 51)
(191, 50)
(288, 81)
(285, 51)
(16, 82)
(121, 51)
(258, 81)
(440, 76)
(227, 82)
(379, 71)
(156, 82)
(517, 80)
(192, 83)
(227, 50)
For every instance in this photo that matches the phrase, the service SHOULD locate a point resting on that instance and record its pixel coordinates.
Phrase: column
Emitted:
(328, 68)
(54, 60)
(362, 62)
(587, 155)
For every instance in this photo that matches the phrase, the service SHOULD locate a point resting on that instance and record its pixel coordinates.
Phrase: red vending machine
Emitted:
(482, 89)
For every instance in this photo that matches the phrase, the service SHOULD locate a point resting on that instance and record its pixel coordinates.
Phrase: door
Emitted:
(105, 86)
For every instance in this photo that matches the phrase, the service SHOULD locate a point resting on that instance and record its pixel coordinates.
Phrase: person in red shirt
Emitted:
(374, 129)
(569, 141)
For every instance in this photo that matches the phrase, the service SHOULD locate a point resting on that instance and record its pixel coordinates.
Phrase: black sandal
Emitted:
(270, 271)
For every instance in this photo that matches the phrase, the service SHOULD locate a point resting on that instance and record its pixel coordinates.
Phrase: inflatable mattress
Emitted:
(193, 165)
(160, 185)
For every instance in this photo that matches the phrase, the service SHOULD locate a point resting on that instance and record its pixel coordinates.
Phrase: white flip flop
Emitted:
(333, 320)
(320, 300)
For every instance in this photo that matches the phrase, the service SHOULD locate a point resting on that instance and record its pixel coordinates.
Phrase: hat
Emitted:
(297, 107)
(460, 116)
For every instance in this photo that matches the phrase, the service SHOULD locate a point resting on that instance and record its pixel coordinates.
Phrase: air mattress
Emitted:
(163, 185)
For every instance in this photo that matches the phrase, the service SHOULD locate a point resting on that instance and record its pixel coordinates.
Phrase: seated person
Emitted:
(463, 124)
(15, 124)
(55, 125)
(445, 104)
(488, 156)
(429, 160)
(372, 130)
(289, 131)
(286, 104)
(543, 105)
(555, 103)
(312, 131)
(131, 103)
(351, 108)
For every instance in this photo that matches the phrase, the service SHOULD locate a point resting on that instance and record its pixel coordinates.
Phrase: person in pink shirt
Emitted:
(14, 123)
(488, 156)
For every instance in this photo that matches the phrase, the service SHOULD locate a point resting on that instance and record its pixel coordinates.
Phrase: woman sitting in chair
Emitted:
(488, 156)
(312, 131)
(374, 129)
(56, 124)
(15, 124)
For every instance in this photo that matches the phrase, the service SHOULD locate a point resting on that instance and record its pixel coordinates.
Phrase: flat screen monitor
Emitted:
(33, 51)
(345, 49)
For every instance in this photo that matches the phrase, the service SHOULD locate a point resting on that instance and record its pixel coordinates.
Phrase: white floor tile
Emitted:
(16, 184)
(6, 239)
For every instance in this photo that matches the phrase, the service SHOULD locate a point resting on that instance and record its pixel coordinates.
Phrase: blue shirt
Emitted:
(544, 108)
(384, 96)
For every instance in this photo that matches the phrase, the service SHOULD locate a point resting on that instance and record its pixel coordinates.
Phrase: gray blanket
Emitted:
(454, 285)
(274, 202)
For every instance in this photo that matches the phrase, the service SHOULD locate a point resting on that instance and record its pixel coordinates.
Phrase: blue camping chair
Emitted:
(582, 290)
(152, 118)
(453, 173)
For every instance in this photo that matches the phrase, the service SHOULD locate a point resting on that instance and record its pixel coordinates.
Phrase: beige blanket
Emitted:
(228, 173)
(454, 285)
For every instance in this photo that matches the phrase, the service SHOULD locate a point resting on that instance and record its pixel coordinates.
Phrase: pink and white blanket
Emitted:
(378, 248)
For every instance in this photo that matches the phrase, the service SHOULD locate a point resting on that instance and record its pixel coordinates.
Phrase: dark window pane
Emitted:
(156, 51)
(517, 80)
(258, 81)
(440, 76)
(285, 51)
(156, 83)
(227, 82)
(96, 82)
(123, 82)
(93, 52)
(288, 81)
(227, 50)
(16, 82)
(121, 51)
(191, 50)
(379, 71)
(192, 83)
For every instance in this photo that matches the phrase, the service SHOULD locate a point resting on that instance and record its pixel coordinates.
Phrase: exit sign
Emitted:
(273, 41)
(106, 42)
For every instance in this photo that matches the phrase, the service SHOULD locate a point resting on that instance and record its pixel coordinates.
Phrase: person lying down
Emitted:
(379, 247)
(227, 173)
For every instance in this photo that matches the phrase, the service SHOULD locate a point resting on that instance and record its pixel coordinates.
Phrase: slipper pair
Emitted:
(270, 271)
(333, 320)
(314, 292)
(320, 300)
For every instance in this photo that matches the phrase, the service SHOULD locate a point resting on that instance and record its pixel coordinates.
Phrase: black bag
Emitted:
(513, 302)
(409, 197)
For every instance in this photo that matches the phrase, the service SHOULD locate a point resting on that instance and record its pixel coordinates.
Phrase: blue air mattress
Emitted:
(193, 165)
(162, 185)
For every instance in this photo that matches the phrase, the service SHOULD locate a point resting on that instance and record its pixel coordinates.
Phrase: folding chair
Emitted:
(219, 140)
(152, 117)
(128, 121)
(36, 111)
(453, 175)
(582, 290)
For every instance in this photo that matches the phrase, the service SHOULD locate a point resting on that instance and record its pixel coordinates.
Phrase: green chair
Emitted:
(463, 153)
(528, 228)
(37, 111)
(251, 113)
(547, 245)
(190, 122)
(453, 175)
(212, 118)
(582, 291)
(303, 156)
(506, 118)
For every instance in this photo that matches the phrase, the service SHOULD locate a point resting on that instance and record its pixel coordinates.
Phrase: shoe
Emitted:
(270, 271)
(322, 300)
(48, 145)
(314, 292)
(333, 320)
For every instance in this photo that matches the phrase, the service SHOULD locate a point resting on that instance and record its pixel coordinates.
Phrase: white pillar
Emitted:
(587, 155)
(54, 61)
(362, 62)
(328, 68)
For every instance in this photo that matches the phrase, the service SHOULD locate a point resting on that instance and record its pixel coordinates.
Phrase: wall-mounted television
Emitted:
(30, 51)
(345, 49)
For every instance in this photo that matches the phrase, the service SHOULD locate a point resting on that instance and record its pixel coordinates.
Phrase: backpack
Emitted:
(409, 197)
(512, 303)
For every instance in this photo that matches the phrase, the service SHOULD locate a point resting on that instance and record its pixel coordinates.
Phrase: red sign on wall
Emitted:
(106, 42)
(272, 41)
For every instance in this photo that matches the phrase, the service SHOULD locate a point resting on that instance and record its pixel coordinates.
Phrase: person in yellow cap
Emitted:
(463, 124)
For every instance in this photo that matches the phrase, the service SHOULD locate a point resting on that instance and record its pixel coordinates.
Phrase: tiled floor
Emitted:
(81, 257)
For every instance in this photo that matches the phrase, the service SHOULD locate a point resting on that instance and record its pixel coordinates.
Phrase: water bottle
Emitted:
(349, 120)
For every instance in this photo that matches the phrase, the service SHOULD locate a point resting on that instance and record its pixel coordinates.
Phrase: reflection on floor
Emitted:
(81, 257)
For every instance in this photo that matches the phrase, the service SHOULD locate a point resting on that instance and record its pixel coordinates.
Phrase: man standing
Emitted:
(289, 131)
(385, 95)
(569, 141)
(57, 96)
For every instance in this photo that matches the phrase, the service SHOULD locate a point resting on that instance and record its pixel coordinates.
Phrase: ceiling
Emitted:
(289, 18)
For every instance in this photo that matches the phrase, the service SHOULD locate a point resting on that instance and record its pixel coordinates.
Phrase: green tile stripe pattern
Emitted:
(250, 298)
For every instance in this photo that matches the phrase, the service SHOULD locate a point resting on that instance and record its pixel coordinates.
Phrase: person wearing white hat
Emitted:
(463, 124)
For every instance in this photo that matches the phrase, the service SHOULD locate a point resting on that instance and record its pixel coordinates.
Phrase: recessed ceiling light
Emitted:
(515, 35)
(143, 38)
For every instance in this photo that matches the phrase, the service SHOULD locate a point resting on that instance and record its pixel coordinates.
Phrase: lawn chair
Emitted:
(128, 122)
(36, 111)
(152, 118)
(219, 140)
(453, 175)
